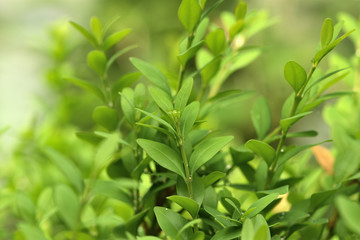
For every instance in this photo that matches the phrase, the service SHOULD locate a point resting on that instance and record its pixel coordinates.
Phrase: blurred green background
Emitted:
(26, 43)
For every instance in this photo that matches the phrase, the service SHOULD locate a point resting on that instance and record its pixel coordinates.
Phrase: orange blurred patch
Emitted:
(324, 157)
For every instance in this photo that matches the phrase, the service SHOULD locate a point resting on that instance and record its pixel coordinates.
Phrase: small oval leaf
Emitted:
(295, 75)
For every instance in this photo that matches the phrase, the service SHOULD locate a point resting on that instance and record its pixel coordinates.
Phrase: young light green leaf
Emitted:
(279, 190)
(216, 41)
(248, 231)
(153, 74)
(97, 61)
(188, 117)
(202, 3)
(68, 205)
(162, 99)
(262, 230)
(106, 117)
(262, 149)
(87, 86)
(210, 70)
(227, 233)
(260, 204)
(261, 117)
(326, 32)
(96, 28)
(183, 95)
(288, 122)
(187, 203)
(349, 212)
(171, 223)
(236, 28)
(295, 75)
(31, 232)
(163, 155)
(189, 14)
(127, 104)
(189, 53)
(206, 150)
(114, 38)
(240, 10)
(67, 167)
(25, 207)
(85, 33)
(323, 52)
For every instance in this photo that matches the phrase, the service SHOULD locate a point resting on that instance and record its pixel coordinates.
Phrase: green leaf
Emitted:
(153, 116)
(212, 177)
(261, 228)
(260, 205)
(89, 137)
(323, 52)
(187, 203)
(134, 222)
(117, 55)
(216, 41)
(288, 122)
(183, 95)
(111, 189)
(106, 117)
(210, 70)
(162, 99)
(241, 155)
(227, 233)
(202, 3)
(125, 81)
(240, 10)
(184, 57)
(326, 32)
(321, 199)
(85, 33)
(279, 190)
(127, 104)
(171, 222)
(188, 117)
(26, 207)
(68, 205)
(163, 155)
(261, 117)
(206, 150)
(262, 149)
(97, 61)
(97, 29)
(115, 38)
(153, 74)
(349, 212)
(105, 151)
(140, 96)
(295, 75)
(248, 231)
(88, 87)
(236, 28)
(31, 232)
(67, 167)
(189, 14)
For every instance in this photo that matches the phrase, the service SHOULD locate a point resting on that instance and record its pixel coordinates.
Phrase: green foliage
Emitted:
(158, 167)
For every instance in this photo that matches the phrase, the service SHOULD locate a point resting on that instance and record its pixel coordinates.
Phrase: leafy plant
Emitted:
(149, 166)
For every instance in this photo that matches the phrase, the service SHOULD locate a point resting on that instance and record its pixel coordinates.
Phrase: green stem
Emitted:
(187, 172)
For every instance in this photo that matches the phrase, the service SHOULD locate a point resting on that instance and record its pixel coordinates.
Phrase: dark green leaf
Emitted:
(106, 117)
(188, 117)
(125, 81)
(262, 149)
(321, 199)
(163, 155)
(187, 203)
(349, 212)
(153, 74)
(171, 222)
(189, 14)
(206, 150)
(216, 41)
(326, 32)
(87, 86)
(67, 167)
(295, 75)
(162, 99)
(115, 38)
(97, 61)
(111, 189)
(261, 117)
(183, 95)
(89, 137)
(212, 177)
(68, 205)
(134, 222)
